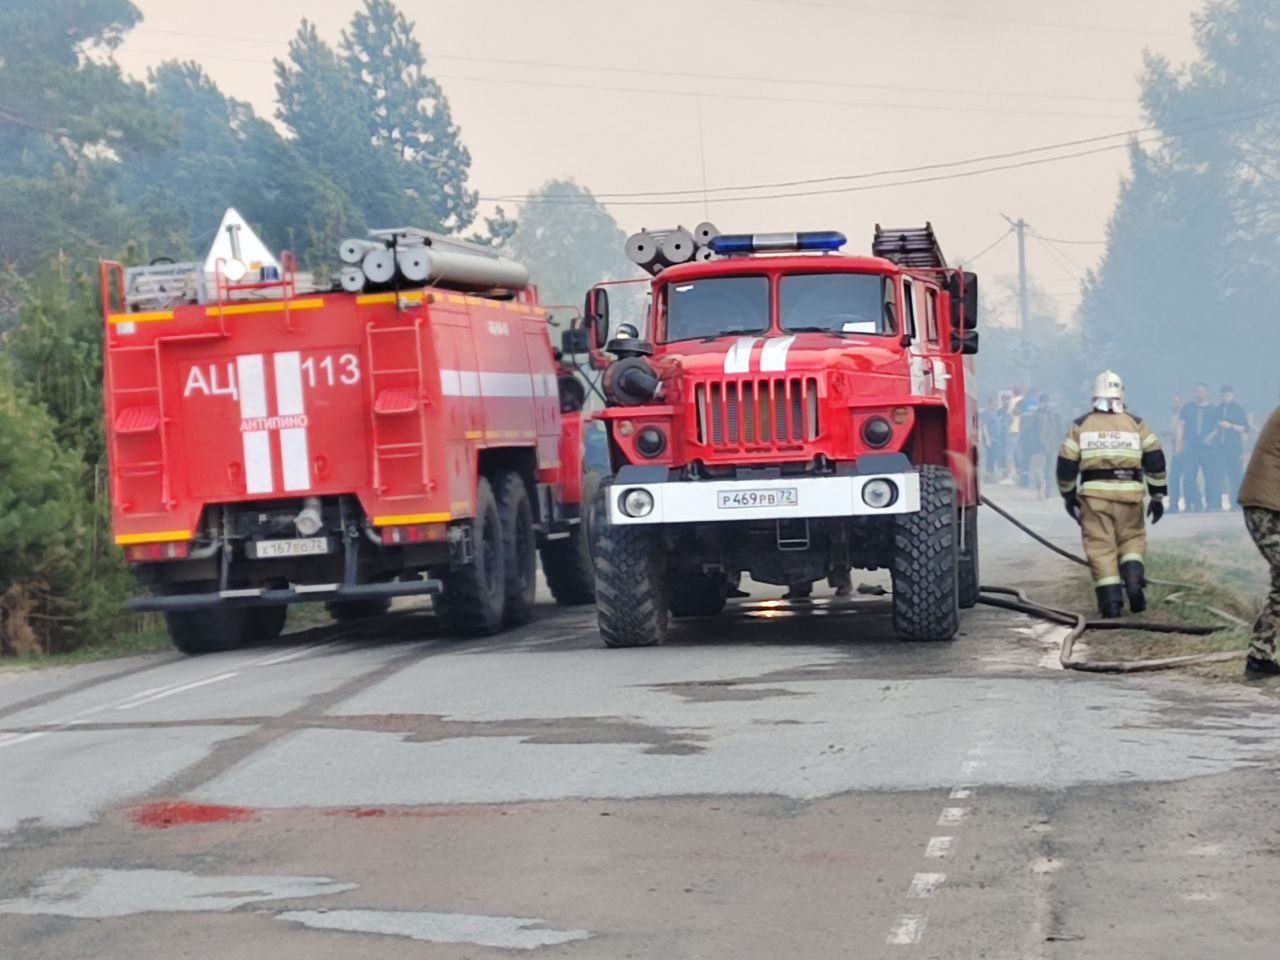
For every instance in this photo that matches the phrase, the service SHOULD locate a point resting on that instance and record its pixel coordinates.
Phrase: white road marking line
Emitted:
(938, 847)
(181, 689)
(925, 885)
(907, 929)
(970, 767)
(297, 654)
(952, 815)
(507, 933)
(961, 793)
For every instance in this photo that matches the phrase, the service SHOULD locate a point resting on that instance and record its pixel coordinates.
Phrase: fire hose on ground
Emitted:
(1009, 598)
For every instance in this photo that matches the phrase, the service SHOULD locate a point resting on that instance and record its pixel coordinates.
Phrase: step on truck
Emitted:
(402, 430)
(790, 413)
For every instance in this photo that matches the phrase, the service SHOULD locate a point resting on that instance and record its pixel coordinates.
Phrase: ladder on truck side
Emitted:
(391, 399)
(916, 247)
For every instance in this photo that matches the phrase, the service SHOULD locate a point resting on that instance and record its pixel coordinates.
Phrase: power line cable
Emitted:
(987, 249)
(1008, 155)
(1050, 245)
(1085, 243)
(875, 186)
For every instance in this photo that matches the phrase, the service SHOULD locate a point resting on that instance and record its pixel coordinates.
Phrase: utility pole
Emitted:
(1025, 348)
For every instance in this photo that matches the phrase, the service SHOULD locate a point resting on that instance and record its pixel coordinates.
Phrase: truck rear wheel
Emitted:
(519, 548)
(197, 632)
(631, 601)
(697, 594)
(472, 600)
(567, 562)
(926, 560)
(267, 623)
(969, 561)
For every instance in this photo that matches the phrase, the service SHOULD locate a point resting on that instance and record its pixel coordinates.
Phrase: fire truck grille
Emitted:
(765, 413)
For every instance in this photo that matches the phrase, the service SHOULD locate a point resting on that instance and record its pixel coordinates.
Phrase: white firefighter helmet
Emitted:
(1108, 391)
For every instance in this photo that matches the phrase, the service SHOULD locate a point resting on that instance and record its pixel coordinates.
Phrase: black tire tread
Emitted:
(631, 602)
(519, 587)
(198, 632)
(969, 566)
(567, 563)
(925, 562)
(464, 605)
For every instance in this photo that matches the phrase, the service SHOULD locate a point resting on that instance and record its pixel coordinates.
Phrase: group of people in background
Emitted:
(1206, 442)
(1020, 432)
(1207, 446)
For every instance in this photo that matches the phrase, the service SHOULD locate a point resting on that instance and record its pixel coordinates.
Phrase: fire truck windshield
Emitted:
(716, 306)
(834, 303)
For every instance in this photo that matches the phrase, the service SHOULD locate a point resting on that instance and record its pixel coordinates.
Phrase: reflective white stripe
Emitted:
(295, 458)
(773, 356)
(468, 383)
(738, 357)
(1111, 440)
(450, 383)
(257, 462)
(253, 404)
(506, 385)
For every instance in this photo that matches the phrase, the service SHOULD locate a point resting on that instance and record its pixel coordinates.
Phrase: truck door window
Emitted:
(909, 307)
(718, 306)
(833, 302)
(931, 314)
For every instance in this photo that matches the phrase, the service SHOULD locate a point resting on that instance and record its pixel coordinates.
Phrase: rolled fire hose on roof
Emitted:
(1009, 598)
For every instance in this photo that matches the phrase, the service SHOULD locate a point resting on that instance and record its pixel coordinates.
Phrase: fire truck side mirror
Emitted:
(964, 342)
(575, 341)
(596, 316)
(964, 299)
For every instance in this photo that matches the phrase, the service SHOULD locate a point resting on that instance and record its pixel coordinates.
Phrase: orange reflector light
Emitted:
(417, 533)
(900, 414)
(152, 552)
(626, 428)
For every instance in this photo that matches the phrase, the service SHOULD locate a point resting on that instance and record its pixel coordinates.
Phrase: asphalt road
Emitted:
(783, 781)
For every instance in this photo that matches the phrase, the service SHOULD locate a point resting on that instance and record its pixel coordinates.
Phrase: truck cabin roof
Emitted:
(782, 263)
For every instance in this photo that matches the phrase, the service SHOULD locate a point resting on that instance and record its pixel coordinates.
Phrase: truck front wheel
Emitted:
(567, 562)
(631, 599)
(926, 562)
(969, 581)
(473, 598)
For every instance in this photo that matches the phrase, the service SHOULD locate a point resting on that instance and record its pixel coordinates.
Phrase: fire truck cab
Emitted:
(399, 431)
(791, 413)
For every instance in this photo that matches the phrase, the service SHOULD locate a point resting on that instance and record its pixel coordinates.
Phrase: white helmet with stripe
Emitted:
(1108, 392)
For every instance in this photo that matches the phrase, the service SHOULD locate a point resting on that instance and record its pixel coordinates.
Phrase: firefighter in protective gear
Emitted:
(1106, 466)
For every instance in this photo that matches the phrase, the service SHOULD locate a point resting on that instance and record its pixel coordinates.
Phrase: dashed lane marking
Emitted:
(907, 929)
(938, 847)
(952, 815)
(924, 885)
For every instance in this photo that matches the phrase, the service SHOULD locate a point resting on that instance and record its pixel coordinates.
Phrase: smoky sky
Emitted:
(667, 96)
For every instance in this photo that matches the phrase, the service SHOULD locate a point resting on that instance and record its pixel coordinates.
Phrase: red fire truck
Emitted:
(790, 413)
(401, 435)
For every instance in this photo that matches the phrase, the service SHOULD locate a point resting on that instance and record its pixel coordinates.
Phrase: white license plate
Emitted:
(746, 499)
(306, 547)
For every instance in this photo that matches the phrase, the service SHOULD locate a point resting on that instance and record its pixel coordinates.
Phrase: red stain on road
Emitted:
(166, 814)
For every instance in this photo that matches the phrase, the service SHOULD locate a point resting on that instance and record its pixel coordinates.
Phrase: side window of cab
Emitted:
(931, 314)
(909, 307)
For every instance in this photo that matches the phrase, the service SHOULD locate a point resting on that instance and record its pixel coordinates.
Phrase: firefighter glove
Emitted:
(1072, 502)
(1155, 510)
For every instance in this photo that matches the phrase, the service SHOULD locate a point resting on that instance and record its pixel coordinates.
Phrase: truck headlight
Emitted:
(879, 494)
(651, 442)
(877, 432)
(636, 503)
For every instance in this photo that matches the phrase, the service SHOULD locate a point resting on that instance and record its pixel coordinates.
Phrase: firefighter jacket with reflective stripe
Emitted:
(1111, 456)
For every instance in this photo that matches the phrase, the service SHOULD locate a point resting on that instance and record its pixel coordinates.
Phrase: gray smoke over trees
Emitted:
(1192, 268)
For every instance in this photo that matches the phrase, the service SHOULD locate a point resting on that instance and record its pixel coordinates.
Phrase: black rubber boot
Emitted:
(1256, 667)
(1110, 600)
(1135, 582)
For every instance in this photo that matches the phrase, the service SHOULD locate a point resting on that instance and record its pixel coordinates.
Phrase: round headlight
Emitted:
(879, 494)
(651, 442)
(877, 432)
(636, 503)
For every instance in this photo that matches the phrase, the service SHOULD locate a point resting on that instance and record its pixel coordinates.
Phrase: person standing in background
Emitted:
(1193, 443)
(1049, 426)
(1175, 461)
(1260, 497)
(1233, 427)
(992, 423)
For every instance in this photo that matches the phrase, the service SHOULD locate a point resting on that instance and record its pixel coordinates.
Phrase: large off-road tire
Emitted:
(697, 594)
(631, 600)
(473, 598)
(350, 610)
(196, 632)
(519, 547)
(567, 563)
(267, 623)
(969, 572)
(926, 562)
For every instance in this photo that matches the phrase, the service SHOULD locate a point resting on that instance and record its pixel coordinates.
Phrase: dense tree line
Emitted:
(95, 164)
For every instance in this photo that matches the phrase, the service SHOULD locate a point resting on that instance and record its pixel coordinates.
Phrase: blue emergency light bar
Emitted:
(809, 241)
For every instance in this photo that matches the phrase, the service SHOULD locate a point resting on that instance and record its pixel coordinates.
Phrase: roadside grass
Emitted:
(1218, 571)
(145, 635)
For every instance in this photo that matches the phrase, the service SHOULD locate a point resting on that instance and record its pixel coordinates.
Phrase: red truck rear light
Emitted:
(150, 552)
(417, 533)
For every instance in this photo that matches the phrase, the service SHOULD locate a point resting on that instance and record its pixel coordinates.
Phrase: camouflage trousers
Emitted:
(1264, 527)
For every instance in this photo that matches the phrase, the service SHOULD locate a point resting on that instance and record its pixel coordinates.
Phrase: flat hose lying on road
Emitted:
(1009, 598)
